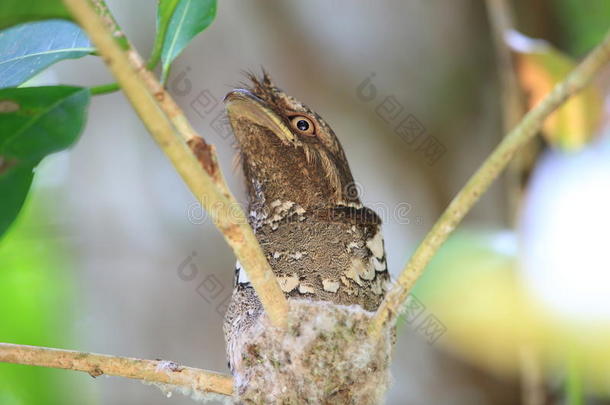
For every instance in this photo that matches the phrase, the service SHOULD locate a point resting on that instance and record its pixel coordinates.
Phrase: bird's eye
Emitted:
(304, 125)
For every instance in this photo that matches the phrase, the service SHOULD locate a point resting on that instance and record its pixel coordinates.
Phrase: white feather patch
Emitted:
(375, 244)
(242, 277)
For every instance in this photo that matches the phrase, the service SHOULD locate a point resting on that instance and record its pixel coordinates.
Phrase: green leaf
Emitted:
(19, 11)
(34, 122)
(29, 48)
(165, 10)
(15, 181)
(580, 28)
(189, 18)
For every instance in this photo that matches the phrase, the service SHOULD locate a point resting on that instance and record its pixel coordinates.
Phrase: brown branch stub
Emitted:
(482, 179)
(205, 155)
(157, 371)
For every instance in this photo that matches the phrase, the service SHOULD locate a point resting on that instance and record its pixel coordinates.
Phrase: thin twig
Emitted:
(104, 89)
(574, 384)
(513, 107)
(532, 376)
(501, 21)
(157, 371)
(195, 162)
(164, 99)
(482, 179)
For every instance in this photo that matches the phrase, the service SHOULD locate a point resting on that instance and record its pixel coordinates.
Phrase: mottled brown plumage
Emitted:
(321, 242)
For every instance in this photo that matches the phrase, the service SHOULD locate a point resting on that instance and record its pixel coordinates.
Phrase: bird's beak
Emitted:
(243, 104)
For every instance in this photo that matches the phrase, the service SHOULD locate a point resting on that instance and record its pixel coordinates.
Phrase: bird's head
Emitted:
(289, 152)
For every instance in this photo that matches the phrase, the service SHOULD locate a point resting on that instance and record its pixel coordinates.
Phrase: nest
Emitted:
(325, 356)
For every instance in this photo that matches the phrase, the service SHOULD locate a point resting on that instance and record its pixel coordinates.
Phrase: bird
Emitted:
(321, 242)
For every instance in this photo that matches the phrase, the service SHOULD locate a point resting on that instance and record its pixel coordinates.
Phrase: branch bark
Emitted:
(157, 371)
(192, 157)
(482, 179)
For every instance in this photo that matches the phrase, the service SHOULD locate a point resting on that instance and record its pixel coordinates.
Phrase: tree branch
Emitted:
(157, 371)
(500, 18)
(194, 160)
(482, 179)
(501, 21)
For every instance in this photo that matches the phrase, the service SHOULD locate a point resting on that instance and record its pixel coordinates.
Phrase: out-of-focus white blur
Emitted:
(564, 232)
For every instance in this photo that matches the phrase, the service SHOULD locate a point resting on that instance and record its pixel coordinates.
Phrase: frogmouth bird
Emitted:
(304, 207)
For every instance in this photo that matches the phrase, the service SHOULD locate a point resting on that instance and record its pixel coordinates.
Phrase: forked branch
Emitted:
(194, 160)
(483, 177)
(154, 371)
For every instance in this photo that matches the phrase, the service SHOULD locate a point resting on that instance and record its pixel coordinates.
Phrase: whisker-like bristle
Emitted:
(331, 172)
(260, 85)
